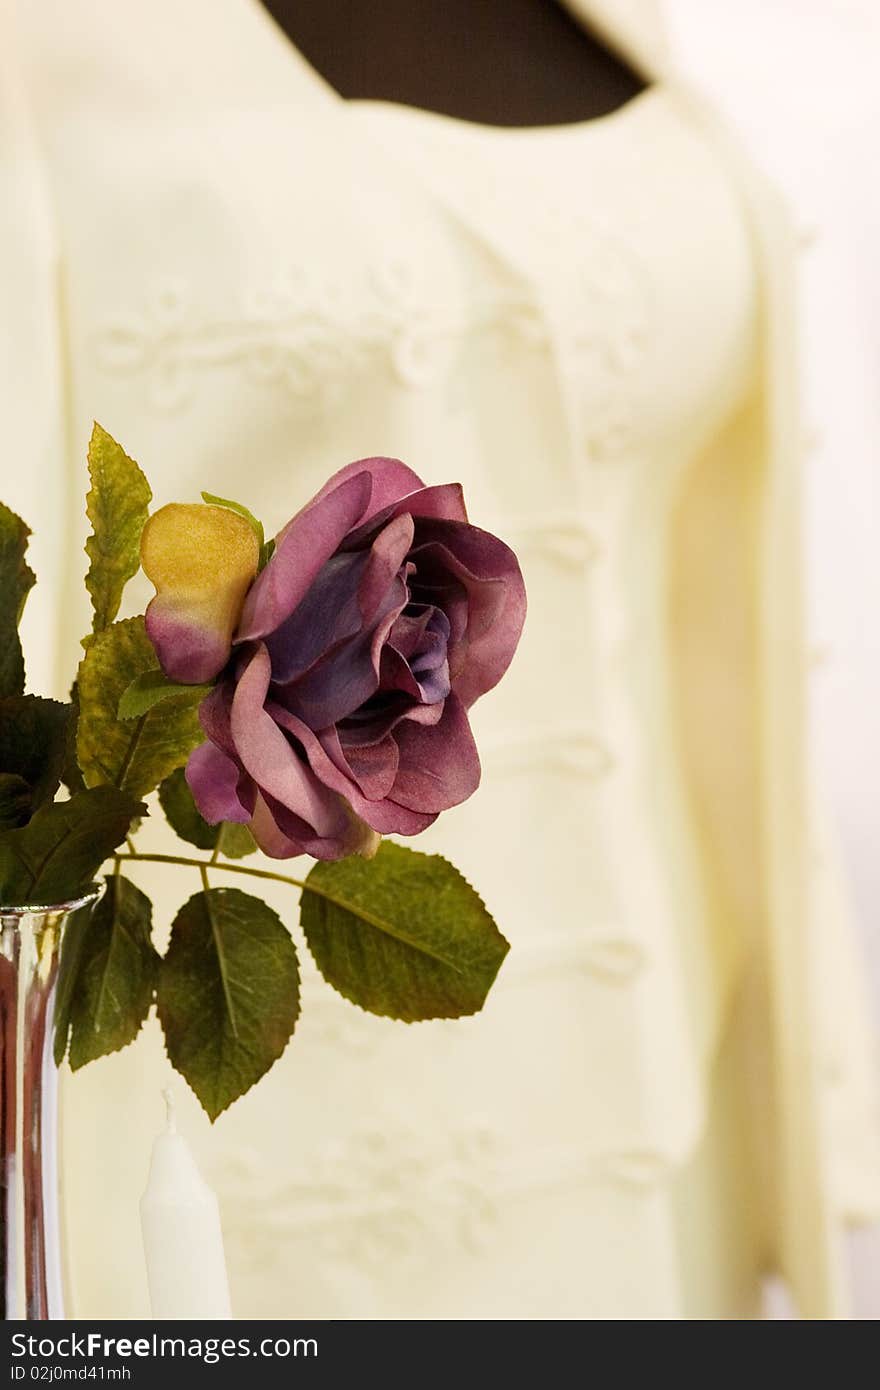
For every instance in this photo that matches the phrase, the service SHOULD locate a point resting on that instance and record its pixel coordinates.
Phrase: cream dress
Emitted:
(251, 282)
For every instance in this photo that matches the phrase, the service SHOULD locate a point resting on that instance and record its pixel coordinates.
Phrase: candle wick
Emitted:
(169, 1110)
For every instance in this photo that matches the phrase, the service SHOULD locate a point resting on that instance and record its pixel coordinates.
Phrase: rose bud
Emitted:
(202, 561)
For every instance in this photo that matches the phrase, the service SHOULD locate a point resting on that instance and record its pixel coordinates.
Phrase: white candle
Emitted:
(183, 1243)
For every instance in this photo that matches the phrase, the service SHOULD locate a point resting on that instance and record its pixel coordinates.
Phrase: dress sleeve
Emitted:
(34, 469)
(775, 870)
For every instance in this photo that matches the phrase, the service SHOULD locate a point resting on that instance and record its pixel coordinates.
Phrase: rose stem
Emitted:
(201, 864)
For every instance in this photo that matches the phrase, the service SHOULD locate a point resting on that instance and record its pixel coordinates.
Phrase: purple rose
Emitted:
(340, 713)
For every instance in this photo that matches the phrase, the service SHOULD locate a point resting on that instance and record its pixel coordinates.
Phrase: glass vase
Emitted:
(31, 1248)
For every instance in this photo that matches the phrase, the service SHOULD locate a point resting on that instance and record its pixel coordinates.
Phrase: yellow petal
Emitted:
(202, 561)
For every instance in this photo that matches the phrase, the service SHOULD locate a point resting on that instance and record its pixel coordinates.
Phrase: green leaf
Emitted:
(110, 969)
(16, 581)
(151, 689)
(34, 742)
(228, 996)
(133, 754)
(15, 801)
(256, 526)
(117, 507)
(403, 935)
(56, 856)
(235, 841)
(182, 814)
(71, 776)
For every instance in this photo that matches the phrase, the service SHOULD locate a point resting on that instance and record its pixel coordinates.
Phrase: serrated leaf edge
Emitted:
(214, 1115)
(91, 543)
(394, 1018)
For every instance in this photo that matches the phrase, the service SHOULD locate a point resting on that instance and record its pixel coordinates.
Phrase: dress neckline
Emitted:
(312, 78)
(463, 126)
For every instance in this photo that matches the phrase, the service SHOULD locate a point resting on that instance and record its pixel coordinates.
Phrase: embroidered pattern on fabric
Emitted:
(308, 334)
(305, 335)
(564, 537)
(605, 335)
(568, 749)
(367, 1198)
(379, 1195)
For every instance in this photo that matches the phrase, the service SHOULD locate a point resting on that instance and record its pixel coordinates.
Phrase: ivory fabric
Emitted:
(251, 282)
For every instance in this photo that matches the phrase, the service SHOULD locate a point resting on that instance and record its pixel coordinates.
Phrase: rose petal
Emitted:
(371, 724)
(384, 560)
(270, 838)
(266, 754)
(282, 835)
(490, 572)
(427, 683)
(191, 639)
(374, 767)
(202, 560)
(422, 638)
(427, 715)
(395, 675)
(445, 502)
(219, 787)
(389, 480)
(346, 678)
(302, 548)
(214, 715)
(328, 761)
(439, 766)
(350, 592)
(328, 614)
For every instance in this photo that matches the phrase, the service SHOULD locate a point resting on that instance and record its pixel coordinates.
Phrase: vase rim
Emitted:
(8, 910)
